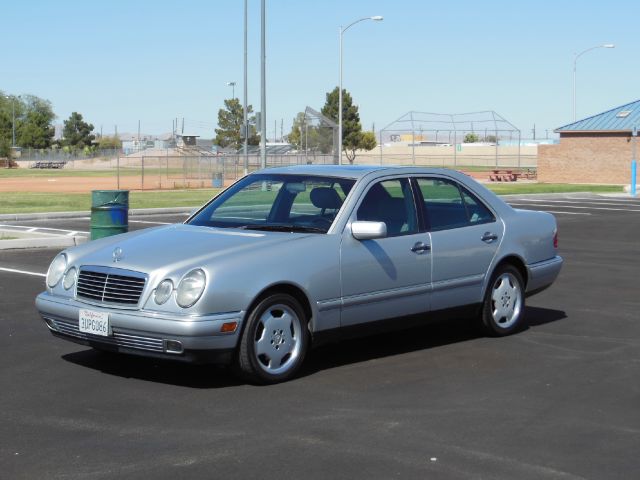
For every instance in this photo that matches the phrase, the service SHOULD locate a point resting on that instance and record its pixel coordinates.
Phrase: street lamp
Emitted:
(233, 88)
(376, 18)
(575, 61)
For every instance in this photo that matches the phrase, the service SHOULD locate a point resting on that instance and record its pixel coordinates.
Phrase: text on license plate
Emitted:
(97, 323)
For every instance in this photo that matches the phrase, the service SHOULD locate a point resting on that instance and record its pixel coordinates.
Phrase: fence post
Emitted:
(634, 164)
(142, 173)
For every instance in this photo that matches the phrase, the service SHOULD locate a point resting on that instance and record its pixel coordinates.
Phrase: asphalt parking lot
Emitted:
(560, 400)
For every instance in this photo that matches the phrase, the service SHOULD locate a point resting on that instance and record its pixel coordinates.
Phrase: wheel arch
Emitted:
(287, 288)
(515, 261)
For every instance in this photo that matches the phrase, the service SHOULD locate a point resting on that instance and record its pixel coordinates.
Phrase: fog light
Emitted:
(229, 327)
(50, 323)
(173, 346)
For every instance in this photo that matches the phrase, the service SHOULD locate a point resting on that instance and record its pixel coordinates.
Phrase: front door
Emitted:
(386, 277)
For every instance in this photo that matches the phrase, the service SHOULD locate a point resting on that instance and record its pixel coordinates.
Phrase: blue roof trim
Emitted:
(607, 121)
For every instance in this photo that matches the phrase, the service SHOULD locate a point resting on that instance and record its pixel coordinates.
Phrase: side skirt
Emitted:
(392, 324)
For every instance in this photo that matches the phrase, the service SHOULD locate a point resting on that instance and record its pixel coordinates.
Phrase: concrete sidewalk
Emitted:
(12, 217)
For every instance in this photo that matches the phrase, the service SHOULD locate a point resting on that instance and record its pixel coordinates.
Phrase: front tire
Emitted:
(274, 341)
(504, 302)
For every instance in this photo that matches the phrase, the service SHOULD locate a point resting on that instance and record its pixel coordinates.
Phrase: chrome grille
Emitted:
(120, 339)
(110, 285)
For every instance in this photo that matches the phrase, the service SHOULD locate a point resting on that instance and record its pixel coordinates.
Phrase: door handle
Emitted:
(420, 247)
(489, 237)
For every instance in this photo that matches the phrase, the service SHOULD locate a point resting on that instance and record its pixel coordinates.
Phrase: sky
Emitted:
(120, 62)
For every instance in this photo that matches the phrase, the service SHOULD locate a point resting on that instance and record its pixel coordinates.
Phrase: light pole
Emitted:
(575, 61)
(376, 18)
(244, 100)
(233, 88)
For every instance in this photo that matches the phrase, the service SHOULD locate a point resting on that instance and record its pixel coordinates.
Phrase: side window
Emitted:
(476, 210)
(391, 202)
(443, 204)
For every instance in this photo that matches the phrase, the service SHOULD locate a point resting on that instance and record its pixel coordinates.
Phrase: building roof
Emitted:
(619, 119)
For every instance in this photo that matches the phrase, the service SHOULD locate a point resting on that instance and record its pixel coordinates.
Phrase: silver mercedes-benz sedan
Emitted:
(287, 257)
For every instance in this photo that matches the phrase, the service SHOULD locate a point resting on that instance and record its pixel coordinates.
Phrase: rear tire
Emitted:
(274, 341)
(504, 302)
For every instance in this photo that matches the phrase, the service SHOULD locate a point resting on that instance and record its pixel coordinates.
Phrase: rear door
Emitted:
(465, 235)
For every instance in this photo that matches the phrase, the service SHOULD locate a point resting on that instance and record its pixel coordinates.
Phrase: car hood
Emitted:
(176, 246)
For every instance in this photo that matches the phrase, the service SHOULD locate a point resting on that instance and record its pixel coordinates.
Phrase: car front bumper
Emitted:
(196, 339)
(542, 274)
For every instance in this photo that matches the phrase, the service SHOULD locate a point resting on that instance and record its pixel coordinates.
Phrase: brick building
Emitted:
(597, 149)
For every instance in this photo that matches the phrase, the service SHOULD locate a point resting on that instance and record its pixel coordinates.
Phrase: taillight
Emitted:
(555, 238)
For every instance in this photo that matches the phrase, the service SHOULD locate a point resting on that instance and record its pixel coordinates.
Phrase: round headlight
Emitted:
(70, 278)
(163, 292)
(56, 270)
(190, 288)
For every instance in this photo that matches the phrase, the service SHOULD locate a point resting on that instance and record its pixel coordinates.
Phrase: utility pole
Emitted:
(534, 131)
(263, 102)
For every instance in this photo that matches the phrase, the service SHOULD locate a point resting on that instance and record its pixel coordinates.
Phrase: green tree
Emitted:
(109, 143)
(35, 130)
(230, 120)
(6, 118)
(305, 135)
(295, 136)
(368, 141)
(77, 133)
(5, 150)
(471, 138)
(353, 138)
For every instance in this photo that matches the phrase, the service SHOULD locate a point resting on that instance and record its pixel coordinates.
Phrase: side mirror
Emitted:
(368, 230)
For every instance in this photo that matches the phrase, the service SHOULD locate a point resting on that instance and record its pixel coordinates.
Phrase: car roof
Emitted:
(348, 171)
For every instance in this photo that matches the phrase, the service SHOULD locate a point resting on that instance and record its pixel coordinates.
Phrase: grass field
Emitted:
(29, 202)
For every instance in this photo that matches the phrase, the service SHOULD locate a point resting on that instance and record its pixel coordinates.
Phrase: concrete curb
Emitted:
(41, 242)
(53, 215)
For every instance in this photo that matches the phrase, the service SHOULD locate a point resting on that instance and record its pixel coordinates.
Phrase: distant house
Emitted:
(597, 149)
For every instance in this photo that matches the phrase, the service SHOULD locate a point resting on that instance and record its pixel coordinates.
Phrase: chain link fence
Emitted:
(159, 169)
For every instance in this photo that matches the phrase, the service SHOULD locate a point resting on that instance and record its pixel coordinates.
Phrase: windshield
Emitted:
(293, 203)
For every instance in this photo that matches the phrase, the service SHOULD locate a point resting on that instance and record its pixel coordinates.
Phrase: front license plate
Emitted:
(96, 323)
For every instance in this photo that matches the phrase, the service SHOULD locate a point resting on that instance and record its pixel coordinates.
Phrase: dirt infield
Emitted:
(62, 184)
(56, 184)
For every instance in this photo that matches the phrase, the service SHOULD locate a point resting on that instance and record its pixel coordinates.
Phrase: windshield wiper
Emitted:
(282, 227)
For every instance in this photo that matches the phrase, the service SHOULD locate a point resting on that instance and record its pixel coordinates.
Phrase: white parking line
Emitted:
(567, 213)
(632, 200)
(12, 270)
(46, 229)
(552, 211)
(150, 223)
(592, 202)
(584, 208)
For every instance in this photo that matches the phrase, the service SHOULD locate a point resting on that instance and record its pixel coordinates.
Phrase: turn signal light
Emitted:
(229, 327)
(555, 239)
